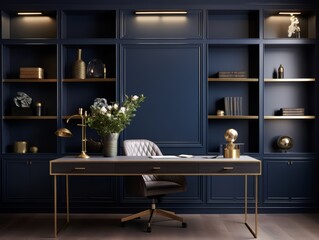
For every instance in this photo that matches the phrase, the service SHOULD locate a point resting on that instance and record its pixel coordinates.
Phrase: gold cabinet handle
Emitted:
(79, 168)
(228, 168)
(156, 168)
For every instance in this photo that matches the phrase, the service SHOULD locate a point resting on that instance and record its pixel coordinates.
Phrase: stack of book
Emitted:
(232, 74)
(292, 111)
(233, 106)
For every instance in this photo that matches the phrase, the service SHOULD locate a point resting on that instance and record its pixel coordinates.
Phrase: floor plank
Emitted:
(200, 226)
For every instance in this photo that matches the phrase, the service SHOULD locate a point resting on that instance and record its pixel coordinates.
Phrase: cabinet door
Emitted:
(229, 189)
(289, 181)
(26, 181)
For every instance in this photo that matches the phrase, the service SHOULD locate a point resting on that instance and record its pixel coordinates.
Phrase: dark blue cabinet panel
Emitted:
(227, 190)
(26, 181)
(92, 189)
(295, 184)
(162, 27)
(170, 78)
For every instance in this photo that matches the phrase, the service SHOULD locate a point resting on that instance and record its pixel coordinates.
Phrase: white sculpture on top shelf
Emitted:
(293, 27)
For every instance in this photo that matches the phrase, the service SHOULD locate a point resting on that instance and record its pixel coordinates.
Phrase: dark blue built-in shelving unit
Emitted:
(174, 61)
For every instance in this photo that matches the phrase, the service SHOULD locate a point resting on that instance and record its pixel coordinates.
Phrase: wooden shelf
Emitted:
(75, 80)
(288, 117)
(232, 79)
(290, 80)
(232, 117)
(26, 80)
(29, 117)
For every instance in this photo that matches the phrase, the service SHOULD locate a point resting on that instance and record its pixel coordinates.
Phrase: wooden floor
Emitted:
(200, 227)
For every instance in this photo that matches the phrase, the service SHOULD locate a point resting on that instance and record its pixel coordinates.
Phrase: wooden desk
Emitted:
(128, 166)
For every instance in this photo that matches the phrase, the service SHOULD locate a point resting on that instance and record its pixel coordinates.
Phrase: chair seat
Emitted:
(156, 188)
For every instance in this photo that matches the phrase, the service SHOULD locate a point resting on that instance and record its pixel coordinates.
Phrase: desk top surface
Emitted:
(162, 159)
(167, 165)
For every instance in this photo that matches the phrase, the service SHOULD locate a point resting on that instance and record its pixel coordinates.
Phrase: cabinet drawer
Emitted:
(153, 168)
(82, 168)
(230, 168)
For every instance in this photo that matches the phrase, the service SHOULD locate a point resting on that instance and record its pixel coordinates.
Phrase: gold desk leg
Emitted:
(56, 230)
(67, 198)
(55, 208)
(253, 232)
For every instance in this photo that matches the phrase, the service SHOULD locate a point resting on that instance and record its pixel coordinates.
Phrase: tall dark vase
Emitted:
(110, 142)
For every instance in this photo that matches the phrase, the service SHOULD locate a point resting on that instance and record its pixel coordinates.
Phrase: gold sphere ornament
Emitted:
(231, 150)
(231, 135)
(285, 143)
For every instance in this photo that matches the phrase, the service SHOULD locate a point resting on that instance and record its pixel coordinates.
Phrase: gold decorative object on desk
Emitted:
(231, 150)
(64, 132)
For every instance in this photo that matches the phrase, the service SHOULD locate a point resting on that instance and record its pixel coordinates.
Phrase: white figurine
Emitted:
(22, 100)
(293, 27)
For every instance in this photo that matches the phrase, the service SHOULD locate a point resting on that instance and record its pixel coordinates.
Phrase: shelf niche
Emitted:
(232, 24)
(276, 26)
(93, 24)
(43, 26)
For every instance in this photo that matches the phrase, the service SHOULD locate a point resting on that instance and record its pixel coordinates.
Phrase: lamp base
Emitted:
(83, 155)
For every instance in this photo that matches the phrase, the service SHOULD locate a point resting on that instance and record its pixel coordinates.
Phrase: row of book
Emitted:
(292, 111)
(233, 106)
(230, 74)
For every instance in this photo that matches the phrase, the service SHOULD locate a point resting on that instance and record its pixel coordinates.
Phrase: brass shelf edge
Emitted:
(89, 80)
(232, 117)
(30, 117)
(290, 80)
(33, 80)
(232, 79)
(289, 117)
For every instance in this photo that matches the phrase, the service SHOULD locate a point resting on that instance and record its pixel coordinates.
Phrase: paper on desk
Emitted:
(164, 156)
(185, 156)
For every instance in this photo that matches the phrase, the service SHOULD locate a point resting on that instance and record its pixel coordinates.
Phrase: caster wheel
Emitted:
(184, 225)
(148, 229)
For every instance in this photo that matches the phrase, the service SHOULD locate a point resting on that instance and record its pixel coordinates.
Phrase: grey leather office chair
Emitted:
(151, 186)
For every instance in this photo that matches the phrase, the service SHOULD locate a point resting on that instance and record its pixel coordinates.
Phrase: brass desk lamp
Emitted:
(64, 132)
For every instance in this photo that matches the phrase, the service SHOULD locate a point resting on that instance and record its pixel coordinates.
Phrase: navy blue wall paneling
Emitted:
(170, 78)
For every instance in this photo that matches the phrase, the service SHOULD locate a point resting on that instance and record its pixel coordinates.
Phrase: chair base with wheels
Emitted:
(152, 212)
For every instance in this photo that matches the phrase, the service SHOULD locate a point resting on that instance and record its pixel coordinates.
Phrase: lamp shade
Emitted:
(63, 132)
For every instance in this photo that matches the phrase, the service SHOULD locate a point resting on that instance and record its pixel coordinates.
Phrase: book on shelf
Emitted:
(233, 106)
(292, 111)
(232, 74)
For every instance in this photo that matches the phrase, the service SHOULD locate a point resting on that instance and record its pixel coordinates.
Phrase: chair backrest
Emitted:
(141, 147)
(144, 147)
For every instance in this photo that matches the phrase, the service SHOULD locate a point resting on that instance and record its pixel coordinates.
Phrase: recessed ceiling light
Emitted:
(289, 13)
(29, 13)
(177, 12)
